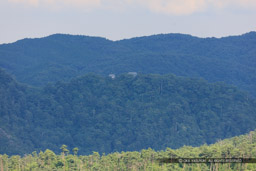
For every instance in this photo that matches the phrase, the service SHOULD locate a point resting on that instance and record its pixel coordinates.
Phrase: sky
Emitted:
(121, 19)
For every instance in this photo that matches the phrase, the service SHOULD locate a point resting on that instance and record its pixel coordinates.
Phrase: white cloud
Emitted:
(60, 3)
(234, 3)
(172, 7)
(184, 7)
(176, 7)
(29, 2)
(247, 3)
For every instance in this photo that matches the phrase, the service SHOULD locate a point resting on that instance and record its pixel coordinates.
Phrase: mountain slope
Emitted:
(98, 113)
(63, 57)
(13, 111)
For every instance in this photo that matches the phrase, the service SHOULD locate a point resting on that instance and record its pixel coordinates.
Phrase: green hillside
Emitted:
(63, 57)
(97, 113)
(13, 106)
(147, 159)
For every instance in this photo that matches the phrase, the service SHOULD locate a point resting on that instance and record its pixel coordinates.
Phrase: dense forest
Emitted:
(87, 103)
(63, 57)
(126, 113)
(146, 159)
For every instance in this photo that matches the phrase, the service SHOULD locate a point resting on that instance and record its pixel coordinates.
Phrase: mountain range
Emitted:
(62, 57)
(157, 91)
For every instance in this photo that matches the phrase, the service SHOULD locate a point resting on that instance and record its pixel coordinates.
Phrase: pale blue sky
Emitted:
(119, 19)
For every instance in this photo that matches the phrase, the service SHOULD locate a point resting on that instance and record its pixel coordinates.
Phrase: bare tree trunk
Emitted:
(184, 166)
(198, 166)
(2, 165)
(63, 159)
(6, 164)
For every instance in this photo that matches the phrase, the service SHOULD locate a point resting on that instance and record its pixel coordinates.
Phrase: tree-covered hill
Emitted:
(97, 113)
(13, 106)
(146, 159)
(63, 57)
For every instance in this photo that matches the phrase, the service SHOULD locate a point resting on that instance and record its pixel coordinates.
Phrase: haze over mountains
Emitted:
(62, 57)
(84, 107)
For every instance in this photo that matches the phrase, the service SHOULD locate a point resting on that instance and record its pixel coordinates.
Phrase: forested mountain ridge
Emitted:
(63, 57)
(98, 113)
(13, 105)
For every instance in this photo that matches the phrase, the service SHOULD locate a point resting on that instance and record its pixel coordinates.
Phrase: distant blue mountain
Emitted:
(62, 57)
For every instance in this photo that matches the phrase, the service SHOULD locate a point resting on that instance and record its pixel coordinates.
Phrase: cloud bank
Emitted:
(60, 3)
(171, 7)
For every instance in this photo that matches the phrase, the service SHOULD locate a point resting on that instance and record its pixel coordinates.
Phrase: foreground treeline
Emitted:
(238, 147)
